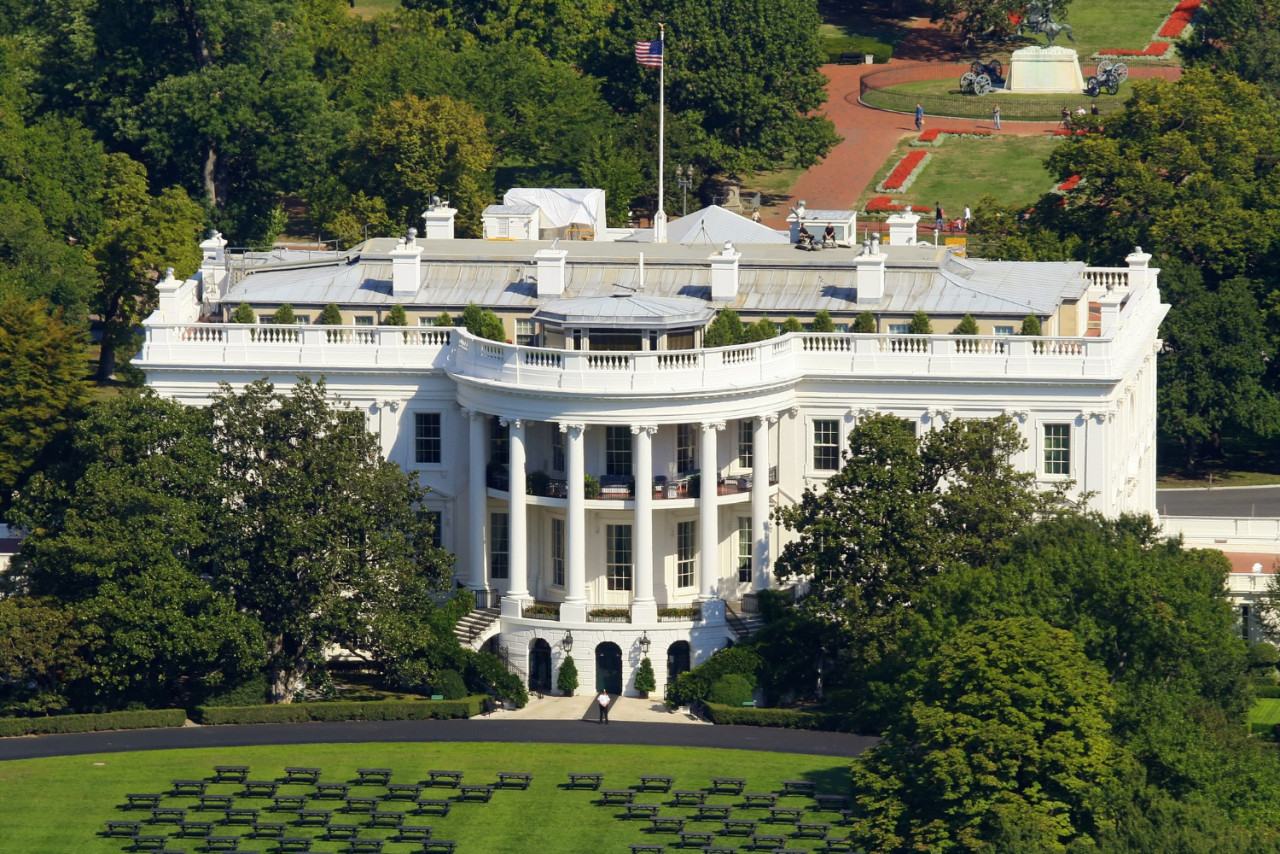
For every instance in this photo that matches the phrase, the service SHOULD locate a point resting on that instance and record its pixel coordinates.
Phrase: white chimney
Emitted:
(902, 228)
(438, 220)
(869, 267)
(1140, 272)
(213, 269)
(406, 267)
(724, 273)
(551, 271)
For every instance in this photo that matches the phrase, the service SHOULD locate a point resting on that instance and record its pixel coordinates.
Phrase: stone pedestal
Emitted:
(1045, 69)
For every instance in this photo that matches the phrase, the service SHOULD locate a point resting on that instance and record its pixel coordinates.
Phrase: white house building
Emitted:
(605, 481)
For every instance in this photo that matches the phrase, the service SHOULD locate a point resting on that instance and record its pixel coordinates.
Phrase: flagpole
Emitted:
(660, 218)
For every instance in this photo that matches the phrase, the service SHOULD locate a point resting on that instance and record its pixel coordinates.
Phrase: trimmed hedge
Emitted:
(782, 718)
(1269, 692)
(380, 710)
(93, 723)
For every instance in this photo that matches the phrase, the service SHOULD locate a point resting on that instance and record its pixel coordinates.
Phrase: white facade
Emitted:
(481, 422)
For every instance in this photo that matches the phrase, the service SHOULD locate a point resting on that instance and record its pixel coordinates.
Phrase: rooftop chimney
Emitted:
(902, 228)
(406, 266)
(551, 271)
(724, 273)
(438, 220)
(1140, 273)
(869, 267)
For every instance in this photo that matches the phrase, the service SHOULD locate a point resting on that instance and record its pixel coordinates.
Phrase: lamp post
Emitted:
(567, 643)
(684, 180)
(644, 643)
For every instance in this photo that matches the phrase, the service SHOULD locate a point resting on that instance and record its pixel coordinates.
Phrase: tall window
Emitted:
(746, 442)
(426, 437)
(524, 333)
(557, 449)
(557, 552)
(499, 545)
(1057, 449)
(618, 557)
(745, 543)
(686, 449)
(686, 552)
(617, 450)
(826, 444)
(499, 441)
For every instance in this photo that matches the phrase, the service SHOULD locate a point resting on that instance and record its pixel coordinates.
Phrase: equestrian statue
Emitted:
(1039, 19)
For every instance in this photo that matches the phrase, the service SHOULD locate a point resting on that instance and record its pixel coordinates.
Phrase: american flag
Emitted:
(649, 53)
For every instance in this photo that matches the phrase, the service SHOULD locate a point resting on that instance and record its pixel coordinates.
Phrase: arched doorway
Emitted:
(540, 666)
(677, 660)
(609, 668)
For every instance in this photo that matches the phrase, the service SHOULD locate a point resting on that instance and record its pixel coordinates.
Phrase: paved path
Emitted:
(514, 731)
(1232, 502)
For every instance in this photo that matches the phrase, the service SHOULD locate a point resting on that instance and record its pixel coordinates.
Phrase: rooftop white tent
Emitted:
(713, 225)
(571, 212)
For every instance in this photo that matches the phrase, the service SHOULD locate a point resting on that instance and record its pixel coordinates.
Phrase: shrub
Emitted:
(1267, 692)
(610, 613)
(444, 320)
(567, 678)
(920, 324)
(732, 689)
(483, 323)
(1030, 325)
(782, 718)
(449, 684)
(966, 326)
(538, 483)
(377, 710)
(284, 314)
(331, 316)
(250, 692)
(244, 314)
(486, 674)
(791, 324)
(1263, 657)
(396, 316)
(645, 680)
(591, 486)
(144, 719)
(696, 684)
(725, 330)
(762, 330)
(822, 322)
(864, 322)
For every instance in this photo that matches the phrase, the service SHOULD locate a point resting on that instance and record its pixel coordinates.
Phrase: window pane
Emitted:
(686, 552)
(426, 437)
(557, 449)
(686, 449)
(899, 328)
(617, 452)
(826, 444)
(744, 549)
(557, 552)
(1057, 449)
(499, 545)
(745, 442)
(618, 557)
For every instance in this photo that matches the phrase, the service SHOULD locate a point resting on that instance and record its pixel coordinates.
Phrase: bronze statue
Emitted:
(1039, 19)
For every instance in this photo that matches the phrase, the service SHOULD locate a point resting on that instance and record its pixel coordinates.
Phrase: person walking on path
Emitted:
(603, 702)
(939, 216)
(968, 215)
(995, 116)
(919, 117)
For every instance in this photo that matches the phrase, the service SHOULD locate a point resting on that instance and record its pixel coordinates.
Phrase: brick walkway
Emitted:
(870, 136)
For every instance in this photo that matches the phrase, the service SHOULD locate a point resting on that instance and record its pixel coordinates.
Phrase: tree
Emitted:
(326, 534)
(762, 330)
(1005, 736)
(726, 330)
(1030, 326)
(865, 322)
(791, 324)
(414, 148)
(920, 324)
(284, 315)
(966, 326)
(244, 313)
(444, 320)
(330, 316)
(42, 367)
(39, 654)
(986, 18)
(567, 678)
(483, 323)
(396, 316)
(645, 681)
(822, 322)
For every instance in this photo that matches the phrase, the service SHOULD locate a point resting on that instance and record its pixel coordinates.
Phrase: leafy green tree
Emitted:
(414, 148)
(613, 167)
(39, 654)
(444, 320)
(42, 390)
(284, 314)
(1030, 326)
(244, 313)
(483, 323)
(762, 330)
(822, 322)
(985, 18)
(1005, 735)
(726, 330)
(865, 322)
(966, 326)
(920, 324)
(792, 324)
(645, 680)
(330, 316)
(396, 316)
(567, 678)
(326, 534)
(564, 30)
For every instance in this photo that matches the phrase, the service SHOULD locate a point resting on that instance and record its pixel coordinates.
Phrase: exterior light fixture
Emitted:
(567, 643)
(644, 644)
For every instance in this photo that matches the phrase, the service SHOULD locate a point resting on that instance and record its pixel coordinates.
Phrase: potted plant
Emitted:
(591, 486)
(644, 678)
(539, 483)
(567, 678)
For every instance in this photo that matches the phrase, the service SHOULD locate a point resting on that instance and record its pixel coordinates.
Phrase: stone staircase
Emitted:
(477, 627)
(742, 625)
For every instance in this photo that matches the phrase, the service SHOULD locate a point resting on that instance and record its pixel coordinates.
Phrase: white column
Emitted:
(760, 556)
(643, 606)
(479, 491)
(518, 530)
(574, 609)
(709, 512)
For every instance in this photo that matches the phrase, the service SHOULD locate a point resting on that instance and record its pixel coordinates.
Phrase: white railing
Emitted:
(1107, 277)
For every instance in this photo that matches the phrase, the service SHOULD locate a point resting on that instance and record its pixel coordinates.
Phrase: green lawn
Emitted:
(1099, 24)
(1265, 711)
(962, 169)
(369, 8)
(951, 86)
(53, 806)
(1244, 461)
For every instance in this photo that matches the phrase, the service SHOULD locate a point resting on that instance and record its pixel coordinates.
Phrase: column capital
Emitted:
(510, 422)
(865, 412)
(468, 412)
(1021, 414)
(941, 413)
(712, 425)
(572, 428)
(768, 418)
(1102, 415)
(650, 429)
(794, 411)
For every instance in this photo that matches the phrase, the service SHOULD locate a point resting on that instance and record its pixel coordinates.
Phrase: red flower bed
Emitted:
(932, 134)
(1156, 49)
(900, 172)
(1178, 21)
(1065, 132)
(1069, 184)
(882, 204)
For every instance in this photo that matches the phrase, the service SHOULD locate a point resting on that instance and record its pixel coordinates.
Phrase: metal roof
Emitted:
(627, 310)
(714, 225)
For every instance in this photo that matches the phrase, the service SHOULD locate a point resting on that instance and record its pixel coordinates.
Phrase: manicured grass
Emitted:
(52, 806)
(963, 169)
(1245, 461)
(1099, 24)
(837, 39)
(1265, 711)
(951, 86)
(369, 8)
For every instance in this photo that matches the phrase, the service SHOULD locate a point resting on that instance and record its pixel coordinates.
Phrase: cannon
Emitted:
(1107, 79)
(974, 84)
(993, 68)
